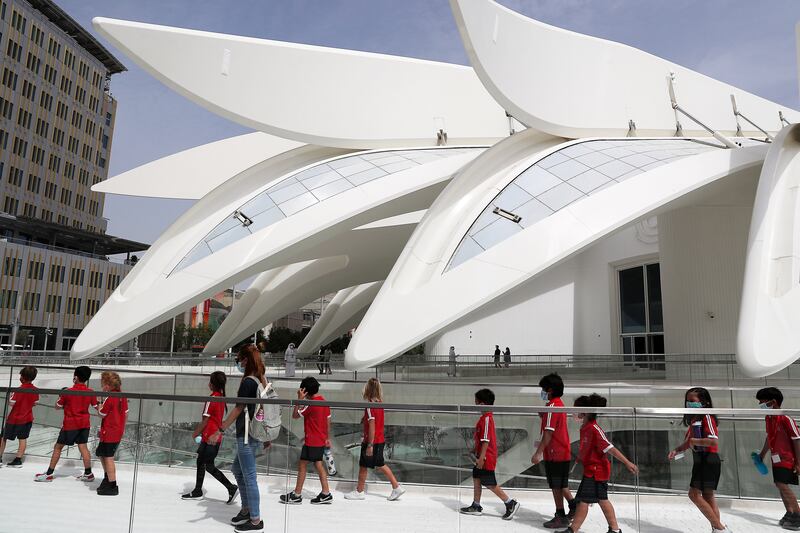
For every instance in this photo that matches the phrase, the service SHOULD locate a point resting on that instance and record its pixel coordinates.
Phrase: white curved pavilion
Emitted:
(617, 221)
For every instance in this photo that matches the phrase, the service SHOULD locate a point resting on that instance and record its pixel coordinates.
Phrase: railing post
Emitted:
(5, 402)
(172, 423)
(136, 451)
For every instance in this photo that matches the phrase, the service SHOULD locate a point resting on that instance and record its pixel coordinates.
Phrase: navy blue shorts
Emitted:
(17, 431)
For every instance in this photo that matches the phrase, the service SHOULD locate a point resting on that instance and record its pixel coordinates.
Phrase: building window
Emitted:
(73, 306)
(30, 301)
(10, 205)
(53, 304)
(92, 306)
(8, 299)
(35, 270)
(12, 267)
(76, 276)
(57, 273)
(641, 318)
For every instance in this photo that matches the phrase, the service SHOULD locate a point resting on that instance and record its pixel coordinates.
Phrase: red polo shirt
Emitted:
(376, 414)
(214, 412)
(114, 411)
(315, 422)
(485, 432)
(594, 447)
(781, 434)
(22, 405)
(558, 450)
(76, 408)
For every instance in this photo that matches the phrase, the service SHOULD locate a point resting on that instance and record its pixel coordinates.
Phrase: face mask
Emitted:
(543, 395)
(578, 417)
(694, 405)
(764, 406)
(240, 367)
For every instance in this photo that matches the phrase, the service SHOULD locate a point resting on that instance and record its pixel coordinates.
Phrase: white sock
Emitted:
(508, 500)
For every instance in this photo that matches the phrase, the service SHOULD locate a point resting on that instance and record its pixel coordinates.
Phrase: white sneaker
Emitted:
(723, 530)
(396, 493)
(355, 495)
(43, 478)
(88, 478)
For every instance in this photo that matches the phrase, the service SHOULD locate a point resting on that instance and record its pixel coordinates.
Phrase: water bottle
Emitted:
(198, 439)
(329, 462)
(760, 466)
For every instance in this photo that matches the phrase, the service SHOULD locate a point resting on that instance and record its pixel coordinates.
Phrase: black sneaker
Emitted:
(613, 531)
(194, 495)
(249, 526)
(322, 499)
(241, 518)
(291, 498)
(783, 520)
(559, 520)
(568, 530)
(109, 489)
(572, 504)
(472, 509)
(511, 509)
(232, 492)
(792, 523)
(16, 463)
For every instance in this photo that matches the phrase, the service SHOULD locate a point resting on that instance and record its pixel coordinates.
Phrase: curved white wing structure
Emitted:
(193, 173)
(769, 336)
(255, 222)
(365, 255)
(511, 256)
(574, 85)
(343, 313)
(313, 94)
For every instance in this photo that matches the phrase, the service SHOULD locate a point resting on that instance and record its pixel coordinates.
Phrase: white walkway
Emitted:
(70, 505)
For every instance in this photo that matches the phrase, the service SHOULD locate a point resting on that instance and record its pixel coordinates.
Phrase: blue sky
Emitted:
(748, 44)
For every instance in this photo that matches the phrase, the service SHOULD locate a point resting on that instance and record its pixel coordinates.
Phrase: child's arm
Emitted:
(482, 455)
(632, 468)
(538, 455)
(229, 420)
(328, 440)
(702, 442)
(298, 409)
(200, 427)
(796, 446)
(765, 449)
(370, 435)
(681, 448)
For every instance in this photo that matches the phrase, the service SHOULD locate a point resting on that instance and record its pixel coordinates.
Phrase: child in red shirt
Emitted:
(75, 429)
(372, 444)
(207, 452)
(703, 439)
(20, 419)
(556, 451)
(317, 426)
(783, 441)
(113, 412)
(486, 461)
(594, 450)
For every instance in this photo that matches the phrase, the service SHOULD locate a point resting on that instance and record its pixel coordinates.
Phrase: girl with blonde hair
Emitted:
(372, 444)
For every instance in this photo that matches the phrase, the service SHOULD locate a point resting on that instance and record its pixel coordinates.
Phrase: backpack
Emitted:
(265, 426)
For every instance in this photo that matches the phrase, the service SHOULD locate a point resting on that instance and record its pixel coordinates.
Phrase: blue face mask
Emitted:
(694, 405)
(543, 395)
(764, 406)
(240, 367)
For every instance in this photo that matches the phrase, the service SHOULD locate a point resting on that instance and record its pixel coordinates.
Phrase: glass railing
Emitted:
(428, 447)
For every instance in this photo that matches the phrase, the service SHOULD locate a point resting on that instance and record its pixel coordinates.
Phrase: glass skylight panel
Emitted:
(566, 176)
(309, 187)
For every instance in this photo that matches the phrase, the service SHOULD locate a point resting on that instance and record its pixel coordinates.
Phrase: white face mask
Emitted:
(578, 417)
(544, 395)
(764, 406)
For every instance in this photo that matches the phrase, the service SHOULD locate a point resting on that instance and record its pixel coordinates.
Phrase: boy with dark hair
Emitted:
(783, 441)
(20, 419)
(554, 448)
(486, 461)
(317, 426)
(75, 429)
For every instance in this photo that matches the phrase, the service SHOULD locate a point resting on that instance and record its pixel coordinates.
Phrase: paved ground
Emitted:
(67, 504)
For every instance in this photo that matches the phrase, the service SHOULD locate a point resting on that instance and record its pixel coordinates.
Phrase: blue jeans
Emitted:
(244, 470)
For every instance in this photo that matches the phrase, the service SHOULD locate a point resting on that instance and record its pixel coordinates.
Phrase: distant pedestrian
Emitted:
(290, 358)
(497, 356)
(507, 356)
(320, 360)
(327, 361)
(452, 360)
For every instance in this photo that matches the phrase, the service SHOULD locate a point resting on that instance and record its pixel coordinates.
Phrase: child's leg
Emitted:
(301, 476)
(558, 498)
(56, 455)
(708, 496)
(702, 505)
(362, 479)
(200, 475)
(23, 444)
(110, 468)
(788, 498)
(499, 492)
(87, 458)
(608, 511)
(567, 494)
(323, 476)
(386, 471)
(2, 447)
(581, 510)
(212, 469)
(476, 490)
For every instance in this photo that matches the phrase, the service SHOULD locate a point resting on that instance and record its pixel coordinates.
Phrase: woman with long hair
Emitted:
(249, 363)
(372, 444)
(207, 452)
(703, 439)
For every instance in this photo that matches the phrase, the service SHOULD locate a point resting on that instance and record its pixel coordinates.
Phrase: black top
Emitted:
(248, 388)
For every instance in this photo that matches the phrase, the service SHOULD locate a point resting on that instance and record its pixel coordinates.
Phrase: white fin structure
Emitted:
(769, 319)
(286, 210)
(343, 313)
(193, 173)
(573, 85)
(313, 94)
(365, 255)
(425, 271)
